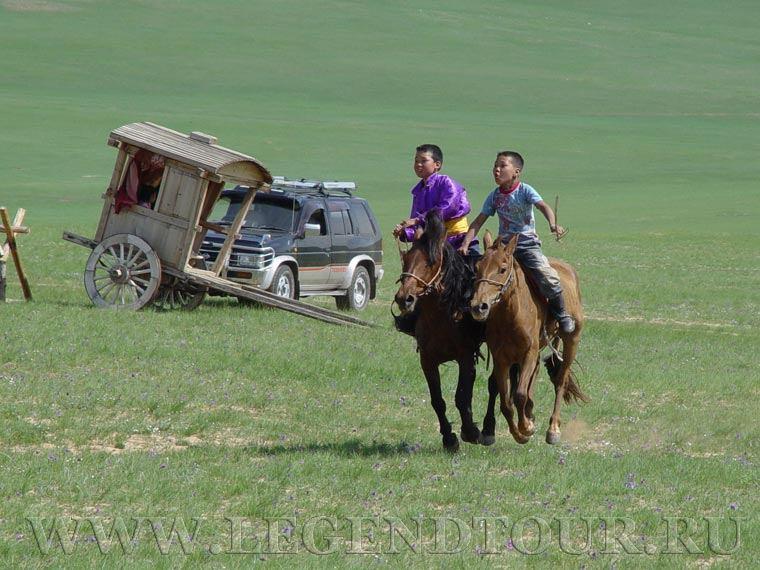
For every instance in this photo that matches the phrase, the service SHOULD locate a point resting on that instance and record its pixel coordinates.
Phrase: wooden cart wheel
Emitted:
(122, 272)
(176, 294)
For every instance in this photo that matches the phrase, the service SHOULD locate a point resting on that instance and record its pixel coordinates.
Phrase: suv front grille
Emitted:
(241, 256)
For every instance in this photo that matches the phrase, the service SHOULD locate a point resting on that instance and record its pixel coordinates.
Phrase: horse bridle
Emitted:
(502, 286)
(428, 286)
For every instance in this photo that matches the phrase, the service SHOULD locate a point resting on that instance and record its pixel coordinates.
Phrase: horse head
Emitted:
(422, 265)
(495, 274)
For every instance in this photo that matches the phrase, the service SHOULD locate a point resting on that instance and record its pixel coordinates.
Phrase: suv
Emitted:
(302, 238)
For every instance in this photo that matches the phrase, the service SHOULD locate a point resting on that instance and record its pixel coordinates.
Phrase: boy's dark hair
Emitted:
(514, 156)
(434, 150)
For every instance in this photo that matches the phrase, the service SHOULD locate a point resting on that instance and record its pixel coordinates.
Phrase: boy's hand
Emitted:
(558, 231)
(401, 226)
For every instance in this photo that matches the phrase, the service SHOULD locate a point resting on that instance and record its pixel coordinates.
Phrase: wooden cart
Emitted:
(146, 249)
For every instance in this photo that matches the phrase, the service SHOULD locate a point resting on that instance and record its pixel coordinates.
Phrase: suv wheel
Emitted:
(284, 284)
(357, 296)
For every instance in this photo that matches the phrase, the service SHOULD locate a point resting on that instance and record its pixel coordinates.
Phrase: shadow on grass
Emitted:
(350, 448)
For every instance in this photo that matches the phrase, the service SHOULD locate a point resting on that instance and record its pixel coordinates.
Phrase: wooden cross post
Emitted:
(10, 246)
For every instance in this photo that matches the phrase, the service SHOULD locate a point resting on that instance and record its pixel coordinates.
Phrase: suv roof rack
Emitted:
(313, 186)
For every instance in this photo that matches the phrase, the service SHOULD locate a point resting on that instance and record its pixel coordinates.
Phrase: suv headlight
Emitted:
(253, 260)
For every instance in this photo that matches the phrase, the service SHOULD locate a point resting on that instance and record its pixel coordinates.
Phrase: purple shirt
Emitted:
(440, 192)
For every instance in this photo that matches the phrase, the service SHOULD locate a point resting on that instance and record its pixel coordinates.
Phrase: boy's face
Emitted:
(505, 173)
(425, 165)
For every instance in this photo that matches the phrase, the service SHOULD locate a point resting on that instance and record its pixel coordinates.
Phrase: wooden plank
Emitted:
(190, 193)
(158, 216)
(17, 228)
(313, 308)
(208, 279)
(209, 201)
(117, 177)
(12, 247)
(169, 190)
(237, 223)
(187, 248)
(79, 240)
(214, 227)
(2, 280)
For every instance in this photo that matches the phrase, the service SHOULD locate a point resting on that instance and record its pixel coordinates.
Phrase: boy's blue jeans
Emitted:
(528, 253)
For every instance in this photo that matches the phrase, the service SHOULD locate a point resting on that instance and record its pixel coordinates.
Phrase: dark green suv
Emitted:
(303, 238)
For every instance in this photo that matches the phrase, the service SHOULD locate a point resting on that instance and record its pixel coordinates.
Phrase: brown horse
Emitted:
(518, 327)
(433, 296)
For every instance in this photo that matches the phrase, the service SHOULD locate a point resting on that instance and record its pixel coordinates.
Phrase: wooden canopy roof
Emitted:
(196, 149)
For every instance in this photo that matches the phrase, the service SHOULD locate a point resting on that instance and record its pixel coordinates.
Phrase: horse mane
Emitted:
(435, 232)
(457, 277)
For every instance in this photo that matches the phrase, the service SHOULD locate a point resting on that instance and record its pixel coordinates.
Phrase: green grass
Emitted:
(642, 118)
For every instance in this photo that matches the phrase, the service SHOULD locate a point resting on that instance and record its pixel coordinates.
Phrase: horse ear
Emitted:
(487, 239)
(400, 250)
(511, 245)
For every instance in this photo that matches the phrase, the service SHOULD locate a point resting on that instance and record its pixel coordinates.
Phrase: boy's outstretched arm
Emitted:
(472, 232)
(549, 215)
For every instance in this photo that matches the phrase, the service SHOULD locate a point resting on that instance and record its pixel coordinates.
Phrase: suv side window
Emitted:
(347, 222)
(318, 217)
(337, 223)
(362, 223)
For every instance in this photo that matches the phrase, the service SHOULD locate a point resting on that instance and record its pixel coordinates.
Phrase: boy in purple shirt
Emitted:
(435, 190)
(513, 201)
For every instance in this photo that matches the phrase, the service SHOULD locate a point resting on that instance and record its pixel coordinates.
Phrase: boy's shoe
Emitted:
(566, 324)
(558, 311)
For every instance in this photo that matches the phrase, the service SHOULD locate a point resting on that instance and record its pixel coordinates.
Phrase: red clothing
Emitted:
(144, 168)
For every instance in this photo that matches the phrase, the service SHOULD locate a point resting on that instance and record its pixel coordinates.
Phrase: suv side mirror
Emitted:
(311, 230)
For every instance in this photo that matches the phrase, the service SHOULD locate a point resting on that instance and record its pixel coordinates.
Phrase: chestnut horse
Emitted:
(433, 296)
(518, 327)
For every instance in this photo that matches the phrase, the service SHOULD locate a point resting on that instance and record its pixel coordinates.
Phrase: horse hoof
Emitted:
(521, 438)
(553, 437)
(451, 443)
(472, 436)
(529, 429)
(486, 439)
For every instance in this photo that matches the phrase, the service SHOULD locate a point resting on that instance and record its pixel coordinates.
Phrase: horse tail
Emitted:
(573, 391)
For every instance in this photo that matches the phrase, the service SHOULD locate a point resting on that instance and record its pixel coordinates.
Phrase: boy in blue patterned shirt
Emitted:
(513, 202)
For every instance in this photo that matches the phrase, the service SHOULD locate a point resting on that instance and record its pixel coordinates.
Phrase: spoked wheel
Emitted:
(122, 272)
(176, 294)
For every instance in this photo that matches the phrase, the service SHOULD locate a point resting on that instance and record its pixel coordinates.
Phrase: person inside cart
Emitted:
(140, 185)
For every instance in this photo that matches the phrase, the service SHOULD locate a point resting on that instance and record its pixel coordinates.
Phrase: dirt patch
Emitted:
(142, 442)
(38, 422)
(35, 6)
(665, 322)
(575, 431)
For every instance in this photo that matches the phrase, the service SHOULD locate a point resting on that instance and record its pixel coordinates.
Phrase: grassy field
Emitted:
(286, 441)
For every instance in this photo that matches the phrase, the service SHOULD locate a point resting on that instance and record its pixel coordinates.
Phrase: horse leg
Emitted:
(430, 369)
(560, 380)
(504, 383)
(469, 432)
(527, 371)
(488, 435)
(529, 404)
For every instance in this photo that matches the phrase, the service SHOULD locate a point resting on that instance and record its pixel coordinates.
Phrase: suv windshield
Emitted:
(268, 212)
